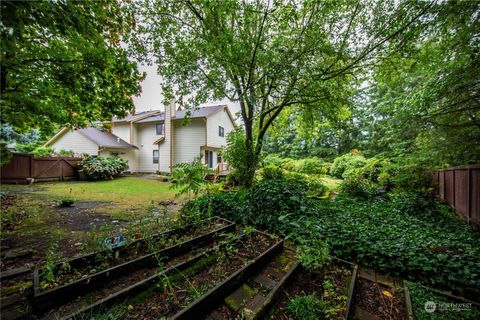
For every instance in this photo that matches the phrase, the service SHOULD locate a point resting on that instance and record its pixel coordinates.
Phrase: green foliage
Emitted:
(420, 295)
(190, 177)
(67, 201)
(346, 163)
(65, 63)
(271, 171)
(268, 200)
(239, 157)
(27, 147)
(313, 254)
(403, 234)
(100, 168)
(65, 153)
(357, 186)
(309, 307)
(269, 56)
(5, 154)
(49, 272)
(43, 151)
(312, 184)
(428, 244)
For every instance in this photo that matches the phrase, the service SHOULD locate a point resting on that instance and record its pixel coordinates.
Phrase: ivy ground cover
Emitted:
(403, 237)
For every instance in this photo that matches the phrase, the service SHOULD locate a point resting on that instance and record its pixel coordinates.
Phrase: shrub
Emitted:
(346, 162)
(271, 171)
(100, 168)
(66, 153)
(270, 199)
(272, 159)
(190, 177)
(358, 187)
(313, 254)
(307, 307)
(26, 147)
(311, 166)
(43, 151)
(239, 157)
(5, 154)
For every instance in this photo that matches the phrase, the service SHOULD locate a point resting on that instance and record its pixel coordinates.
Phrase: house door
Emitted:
(209, 158)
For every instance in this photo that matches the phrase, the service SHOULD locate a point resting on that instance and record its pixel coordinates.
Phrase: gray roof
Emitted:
(158, 115)
(133, 117)
(104, 139)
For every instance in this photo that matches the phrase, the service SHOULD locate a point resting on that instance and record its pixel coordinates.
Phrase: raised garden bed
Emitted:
(125, 260)
(333, 284)
(191, 293)
(374, 300)
(432, 304)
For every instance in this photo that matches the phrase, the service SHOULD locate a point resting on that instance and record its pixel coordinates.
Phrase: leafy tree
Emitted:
(269, 55)
(190, 178)
(62, 62)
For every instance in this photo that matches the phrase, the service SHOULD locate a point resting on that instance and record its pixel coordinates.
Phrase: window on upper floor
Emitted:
(221, 131)
(159, 128)
(155, 156)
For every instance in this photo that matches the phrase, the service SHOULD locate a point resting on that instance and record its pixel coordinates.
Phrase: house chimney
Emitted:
(167, 152)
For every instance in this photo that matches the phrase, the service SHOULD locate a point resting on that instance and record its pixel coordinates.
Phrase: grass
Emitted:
(331, 183)
(129, 196)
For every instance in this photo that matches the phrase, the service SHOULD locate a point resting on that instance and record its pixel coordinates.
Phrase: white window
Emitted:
(155, 156)
(221, 131)
(159, 128)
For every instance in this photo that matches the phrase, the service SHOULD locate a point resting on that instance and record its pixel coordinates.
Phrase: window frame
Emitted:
(221, 131)
(157, 158)
(157, 125)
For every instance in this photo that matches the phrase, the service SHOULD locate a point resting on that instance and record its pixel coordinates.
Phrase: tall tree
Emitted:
(62, 62)
(269, 55)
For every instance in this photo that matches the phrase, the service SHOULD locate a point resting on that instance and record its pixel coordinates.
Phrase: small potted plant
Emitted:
(67, 201)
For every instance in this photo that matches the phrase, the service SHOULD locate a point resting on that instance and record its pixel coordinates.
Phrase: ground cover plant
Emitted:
(315, 294)
(404, 234)
(443, 308)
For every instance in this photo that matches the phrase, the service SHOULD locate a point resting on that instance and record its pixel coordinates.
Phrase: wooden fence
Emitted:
(22, 167)
(460, 188)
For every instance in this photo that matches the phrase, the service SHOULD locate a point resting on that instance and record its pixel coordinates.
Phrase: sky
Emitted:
(151, 96)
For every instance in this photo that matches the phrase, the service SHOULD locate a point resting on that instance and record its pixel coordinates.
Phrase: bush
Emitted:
(100, 168)
(190, 177)
(65, 153)
(272, 159)
(346, 162)
(5, 154)
(312, 185)
(270, 199)
(308, 307)
(43, 151)
(271, 171)
(358, 187)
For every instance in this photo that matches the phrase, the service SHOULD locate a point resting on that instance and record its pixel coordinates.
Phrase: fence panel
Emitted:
(23, 166)
(475, 192)
(460, 188)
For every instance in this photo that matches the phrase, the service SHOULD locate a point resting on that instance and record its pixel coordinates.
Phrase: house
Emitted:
(152, 141)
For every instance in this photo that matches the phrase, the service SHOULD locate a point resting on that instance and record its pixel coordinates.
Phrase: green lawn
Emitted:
(129, 196)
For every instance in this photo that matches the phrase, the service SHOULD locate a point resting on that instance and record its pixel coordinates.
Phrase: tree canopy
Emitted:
(62, 63)
(270, 55)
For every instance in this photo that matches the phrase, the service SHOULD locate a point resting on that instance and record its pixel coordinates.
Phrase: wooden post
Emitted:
(469, 193)
(453, 190)
(31, 165)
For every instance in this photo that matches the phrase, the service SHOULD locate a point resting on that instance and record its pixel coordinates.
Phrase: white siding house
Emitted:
(82, 144)
(153, 141)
